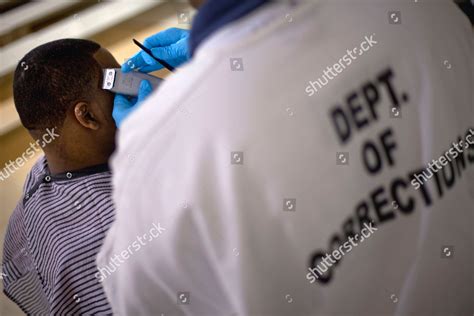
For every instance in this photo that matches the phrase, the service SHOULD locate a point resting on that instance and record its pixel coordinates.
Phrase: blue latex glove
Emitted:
(124, 105)
(170, 45)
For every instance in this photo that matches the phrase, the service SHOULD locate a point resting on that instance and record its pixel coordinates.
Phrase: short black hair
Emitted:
(53, 77)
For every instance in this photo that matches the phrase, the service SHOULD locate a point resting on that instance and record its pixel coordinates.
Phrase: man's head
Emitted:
(61, 87)
(197, 3)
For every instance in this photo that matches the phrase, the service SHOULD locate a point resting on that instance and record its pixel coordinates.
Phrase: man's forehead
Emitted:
(106, 59)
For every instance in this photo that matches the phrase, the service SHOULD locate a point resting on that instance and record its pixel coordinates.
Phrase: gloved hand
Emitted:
(170, 45)
(124, 105)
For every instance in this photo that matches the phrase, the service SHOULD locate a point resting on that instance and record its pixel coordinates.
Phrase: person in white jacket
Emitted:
(311, 158)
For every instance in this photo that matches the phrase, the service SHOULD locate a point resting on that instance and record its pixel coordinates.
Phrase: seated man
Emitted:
(59, 224)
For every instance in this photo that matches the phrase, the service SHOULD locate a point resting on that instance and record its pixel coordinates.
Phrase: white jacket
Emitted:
(255, 157)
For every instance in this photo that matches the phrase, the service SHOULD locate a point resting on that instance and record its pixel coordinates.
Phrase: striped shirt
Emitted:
(52, 240)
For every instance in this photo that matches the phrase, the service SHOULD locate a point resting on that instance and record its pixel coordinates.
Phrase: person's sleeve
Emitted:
(178, 272)
(21, 282)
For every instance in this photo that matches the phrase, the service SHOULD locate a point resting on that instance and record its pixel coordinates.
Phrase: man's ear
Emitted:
(84, 115)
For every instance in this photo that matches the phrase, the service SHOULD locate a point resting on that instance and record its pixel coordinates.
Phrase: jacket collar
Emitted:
(215, 14)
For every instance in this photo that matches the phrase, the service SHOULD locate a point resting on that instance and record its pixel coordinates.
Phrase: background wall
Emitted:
(65, 18)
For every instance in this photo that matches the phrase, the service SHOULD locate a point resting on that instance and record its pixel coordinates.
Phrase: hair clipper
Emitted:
(127, 83)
